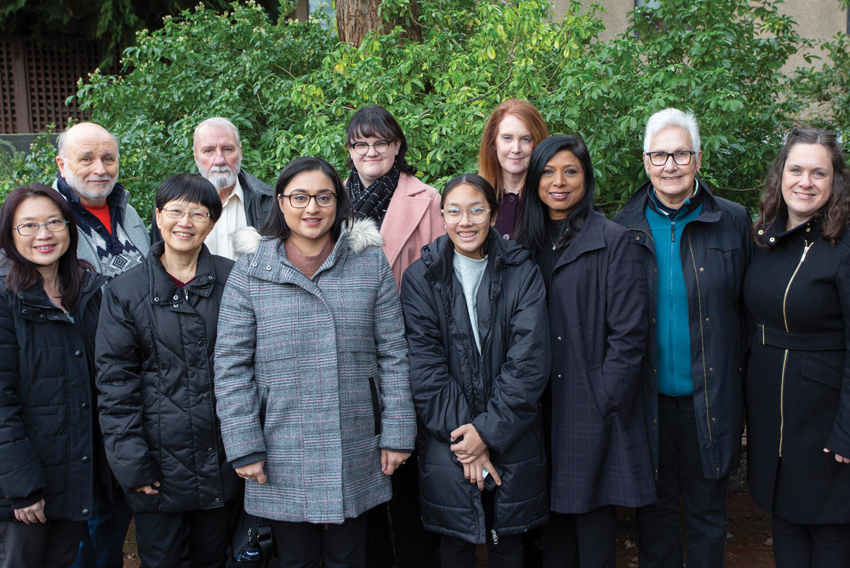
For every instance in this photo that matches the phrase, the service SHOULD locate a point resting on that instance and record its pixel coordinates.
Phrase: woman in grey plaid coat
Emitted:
(311, 320)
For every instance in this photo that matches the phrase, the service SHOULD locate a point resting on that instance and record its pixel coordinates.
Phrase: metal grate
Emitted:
(36, 78)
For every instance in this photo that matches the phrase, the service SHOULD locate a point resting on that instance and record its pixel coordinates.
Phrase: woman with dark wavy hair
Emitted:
(797, 291)
(51, 446)
(597, 298)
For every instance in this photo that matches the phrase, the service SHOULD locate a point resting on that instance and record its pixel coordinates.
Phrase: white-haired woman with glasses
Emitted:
(477, 327)
(52, 456)
(155, 347)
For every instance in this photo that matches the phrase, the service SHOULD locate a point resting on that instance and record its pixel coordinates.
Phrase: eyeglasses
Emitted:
(302, 200)
(195, 215)
(680, 157)
(54, 226)
(475, 215)
(362, 148)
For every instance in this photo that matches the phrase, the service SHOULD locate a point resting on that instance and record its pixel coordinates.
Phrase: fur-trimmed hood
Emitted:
(360, 235)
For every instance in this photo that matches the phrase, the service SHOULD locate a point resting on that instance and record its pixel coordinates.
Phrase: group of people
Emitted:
(496, 363)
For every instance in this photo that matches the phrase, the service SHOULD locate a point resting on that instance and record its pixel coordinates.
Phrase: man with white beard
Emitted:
(245, 199)
(112, 235)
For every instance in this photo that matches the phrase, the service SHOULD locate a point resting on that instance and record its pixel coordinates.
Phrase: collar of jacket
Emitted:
(589, 238)
(163, 290)
(773, 234)
(43, 309)
(269, 260)
(438, 256)
(251, 184)
(634, 213)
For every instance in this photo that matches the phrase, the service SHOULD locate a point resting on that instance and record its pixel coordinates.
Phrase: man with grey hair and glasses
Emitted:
(695, 249)
(244, 198)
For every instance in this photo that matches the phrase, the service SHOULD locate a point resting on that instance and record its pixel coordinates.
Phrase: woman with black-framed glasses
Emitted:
(52, 454)
(158, 330)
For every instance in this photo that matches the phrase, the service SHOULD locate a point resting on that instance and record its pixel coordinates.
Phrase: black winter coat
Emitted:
(155, 347)
(49, 441)
(498, 391)
(598, 326)
(715, 254)
(798, 381)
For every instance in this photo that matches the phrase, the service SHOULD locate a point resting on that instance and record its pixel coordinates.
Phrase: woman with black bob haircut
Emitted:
(311, 323)
(597, 299)
(51, 445)
(475, 314)
(155, 347)
(797, 388)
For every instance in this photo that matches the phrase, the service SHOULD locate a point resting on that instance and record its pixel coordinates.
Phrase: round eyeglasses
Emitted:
(475, 215)
(302, 200)
(680, 157)
(195, 215)
(362, 148)
(54, 226)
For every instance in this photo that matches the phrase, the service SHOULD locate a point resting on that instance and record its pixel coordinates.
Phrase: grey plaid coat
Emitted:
(332, 353)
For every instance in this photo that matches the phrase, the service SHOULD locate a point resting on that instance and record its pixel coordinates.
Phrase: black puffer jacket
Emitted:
(498, 391)
(49, 442)
(155, 347)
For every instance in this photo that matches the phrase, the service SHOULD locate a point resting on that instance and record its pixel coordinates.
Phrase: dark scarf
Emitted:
(372, 202)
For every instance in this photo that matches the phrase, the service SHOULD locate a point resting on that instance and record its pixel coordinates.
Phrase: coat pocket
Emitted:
(821, 372)
(600, 394)
(376, 405)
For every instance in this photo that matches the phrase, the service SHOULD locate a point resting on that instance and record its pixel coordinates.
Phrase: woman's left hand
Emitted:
(471, 447)
(839, 459)
(390, 460)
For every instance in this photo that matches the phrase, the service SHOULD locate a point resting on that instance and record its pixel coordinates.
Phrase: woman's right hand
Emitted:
(149, 489)
(253, 471)
(474, 471)
(32, 514)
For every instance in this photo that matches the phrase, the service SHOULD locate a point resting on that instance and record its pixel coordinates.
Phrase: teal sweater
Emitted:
(675, 377)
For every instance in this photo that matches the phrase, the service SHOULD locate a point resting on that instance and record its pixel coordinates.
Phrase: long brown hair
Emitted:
(23, 273)
(835, 214)
(488, 162)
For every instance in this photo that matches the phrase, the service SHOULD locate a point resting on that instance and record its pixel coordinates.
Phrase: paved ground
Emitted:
(747, 545)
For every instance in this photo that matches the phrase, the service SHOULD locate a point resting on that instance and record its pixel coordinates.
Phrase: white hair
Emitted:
(217, 122)
(671, 117)
(60, 144)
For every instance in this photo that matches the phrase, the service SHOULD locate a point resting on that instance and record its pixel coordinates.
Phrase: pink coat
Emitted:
(413, 220)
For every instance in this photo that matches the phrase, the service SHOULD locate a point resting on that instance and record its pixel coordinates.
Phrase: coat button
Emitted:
(559, 376)
(78, 353)
(218, 500)
(559, 338)
(156, 299)
(24, 311)
(176, 297)
(773, 240)
(706, 319)
(654, 421)
(176, 306)
(655, 370)
(269, 267)
(655, 271)
(85, 512)
(201, 342)
(42, 316)
(253, 264)
(711, 368)
(85, 406)
(209, 277)
(86, 459)
(637, 238)
(701, 269)
(652, 320)
(206, 395)
(209, 449)
(761, 232)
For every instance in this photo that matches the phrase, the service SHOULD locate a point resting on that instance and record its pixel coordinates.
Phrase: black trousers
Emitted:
(169, 540)
(588, 540)
(302, 545)
(680, 477)
(52, 544)
(502, 552)
(810, 546)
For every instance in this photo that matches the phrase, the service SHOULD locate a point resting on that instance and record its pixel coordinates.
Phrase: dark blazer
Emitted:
(498, 391)
(715, 253)
(155, 347)
(259, 199)
(598, 327)
(798, 379)
(49, 443)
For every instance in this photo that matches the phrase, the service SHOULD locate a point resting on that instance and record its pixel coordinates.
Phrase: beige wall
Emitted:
(819, 19)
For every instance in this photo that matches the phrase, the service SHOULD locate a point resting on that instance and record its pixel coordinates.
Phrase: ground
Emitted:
(748, 544)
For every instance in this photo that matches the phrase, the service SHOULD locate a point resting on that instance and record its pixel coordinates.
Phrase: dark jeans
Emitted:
(39, 545)
(301, 545)
(166, 540)
(810, 546)
(680, 476)
(102, 545)
(587, 539)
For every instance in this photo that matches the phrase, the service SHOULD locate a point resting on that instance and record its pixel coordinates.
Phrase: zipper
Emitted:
(672, 231)
(495, 537)
(701, 338)
(186, 294)
(806, 248)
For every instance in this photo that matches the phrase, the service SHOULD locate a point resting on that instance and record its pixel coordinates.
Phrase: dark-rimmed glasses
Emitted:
(362, 148)
(302, 200)
(30, 229)
(680, 157)
(475, 215)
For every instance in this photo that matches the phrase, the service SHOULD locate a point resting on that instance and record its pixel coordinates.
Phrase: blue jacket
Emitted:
(715, 255)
